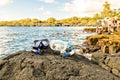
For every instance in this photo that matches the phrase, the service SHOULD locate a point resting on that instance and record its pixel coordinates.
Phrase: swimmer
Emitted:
(74, 34)
(65, 32)
(14, 34)
(56, 34)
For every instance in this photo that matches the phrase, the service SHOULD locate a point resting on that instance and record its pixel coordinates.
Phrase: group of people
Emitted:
(109, 25)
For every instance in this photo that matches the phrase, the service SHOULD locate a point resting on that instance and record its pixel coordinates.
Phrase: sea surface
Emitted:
(13, 39)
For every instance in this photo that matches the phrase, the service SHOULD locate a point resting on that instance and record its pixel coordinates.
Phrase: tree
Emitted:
(106, 10)
(51, 20)
(96, 16)
(35, 22)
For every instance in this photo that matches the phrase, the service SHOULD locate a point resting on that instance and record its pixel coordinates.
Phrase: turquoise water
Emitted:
(13, 39)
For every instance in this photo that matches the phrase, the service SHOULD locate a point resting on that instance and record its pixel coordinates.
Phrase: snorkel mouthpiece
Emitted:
(36, 51)
(65, 54)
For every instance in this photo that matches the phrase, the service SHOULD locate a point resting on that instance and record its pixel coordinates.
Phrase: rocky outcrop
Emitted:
(105, 50)
(108, 43)
(109, 62)
(25, 65)
(90, 29)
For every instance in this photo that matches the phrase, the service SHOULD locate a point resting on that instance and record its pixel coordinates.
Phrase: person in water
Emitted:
(56, 34)
(100, 31)
(14, 34)
(66, 33)
(74, 34)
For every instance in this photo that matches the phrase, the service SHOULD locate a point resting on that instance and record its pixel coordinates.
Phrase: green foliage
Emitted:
(51, 20)
(106, 10)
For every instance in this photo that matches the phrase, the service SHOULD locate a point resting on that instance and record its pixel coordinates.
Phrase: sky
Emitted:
(59, 9)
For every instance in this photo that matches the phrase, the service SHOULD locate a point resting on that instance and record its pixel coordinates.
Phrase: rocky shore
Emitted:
(104, 65)
(105, 49)
(111, 63)
(25, 65)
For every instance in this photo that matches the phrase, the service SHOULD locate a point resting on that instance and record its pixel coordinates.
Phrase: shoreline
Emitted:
(91, 26)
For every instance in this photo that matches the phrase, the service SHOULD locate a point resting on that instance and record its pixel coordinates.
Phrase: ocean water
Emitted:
(13, 39)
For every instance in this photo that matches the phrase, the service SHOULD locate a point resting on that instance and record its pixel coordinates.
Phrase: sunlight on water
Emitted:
(13, 39)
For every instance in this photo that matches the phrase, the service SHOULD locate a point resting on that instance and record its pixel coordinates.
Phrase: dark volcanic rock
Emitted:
(109, 62)
(25, 65)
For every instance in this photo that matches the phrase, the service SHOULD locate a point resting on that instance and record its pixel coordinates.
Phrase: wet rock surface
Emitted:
(90, 29)
(25, 65)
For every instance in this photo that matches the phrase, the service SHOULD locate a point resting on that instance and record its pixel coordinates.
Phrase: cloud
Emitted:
(47, 13)
(5, 2)
(88, 7)
(44, 11)
(115, 4)
(40, 9)
(4, 15)
(48, 1)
